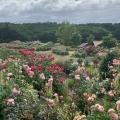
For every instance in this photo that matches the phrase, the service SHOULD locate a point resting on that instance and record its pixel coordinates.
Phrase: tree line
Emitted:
(65, 32)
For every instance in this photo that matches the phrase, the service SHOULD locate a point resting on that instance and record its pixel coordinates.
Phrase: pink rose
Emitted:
(15, 91)
(113, 116)
(100, 108)
(10, 74)
(111, 93)
(30, 73)
(118, 105)
(55, 95)
(42, 76)
(77, 77)
(88, 78)
(10, 101)
(51, 102)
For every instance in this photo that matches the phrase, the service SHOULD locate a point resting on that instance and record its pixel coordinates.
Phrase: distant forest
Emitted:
(47, 31)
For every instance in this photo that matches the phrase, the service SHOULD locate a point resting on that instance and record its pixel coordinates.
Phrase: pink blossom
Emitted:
(100, 108)
(10, 74)
(118, 105)
(90, 99)
(61, 97)
(111, 93)
(77, 77)
(113, 116)
(87, 78)
(106, 79)
(27, 68)
(15, 91)
(83, 116)
(111, 111)
(116, 62)
(47, 84)
(114, 70)
(97, 105)
(93, 96)
(50, 81)
(114, 75)
(85, 94)
(55, 95)
(112, 85)
(30, 73)
(10, 101)
(42, 76)
(103, 90)
(51, 102)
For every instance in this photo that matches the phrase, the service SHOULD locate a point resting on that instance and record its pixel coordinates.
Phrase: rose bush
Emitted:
(33, 87)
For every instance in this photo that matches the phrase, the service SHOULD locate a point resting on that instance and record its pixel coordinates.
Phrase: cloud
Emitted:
(75, 11)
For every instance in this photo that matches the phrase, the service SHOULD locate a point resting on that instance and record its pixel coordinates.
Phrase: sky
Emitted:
(74, 11)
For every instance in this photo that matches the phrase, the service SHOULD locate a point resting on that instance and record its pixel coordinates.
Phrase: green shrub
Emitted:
(107, 60)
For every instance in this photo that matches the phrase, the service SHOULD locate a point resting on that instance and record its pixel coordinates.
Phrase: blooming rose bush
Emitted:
(34, 87)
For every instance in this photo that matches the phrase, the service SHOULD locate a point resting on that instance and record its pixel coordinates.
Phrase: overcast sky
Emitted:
(74, 11)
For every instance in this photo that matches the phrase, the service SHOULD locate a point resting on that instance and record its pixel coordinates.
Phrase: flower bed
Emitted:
(33, 87)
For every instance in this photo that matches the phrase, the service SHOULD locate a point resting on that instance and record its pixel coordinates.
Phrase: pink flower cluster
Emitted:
(10, 101)
(79, 117)
(50, 102)
(116, 62)
(9, 74)
(111, 93)
(118, 105)
(99, 107)
(15, 91)
(42, 76)
(29, 71)
(49, 83)
(83, 71)
(112, 114)
(89, 98)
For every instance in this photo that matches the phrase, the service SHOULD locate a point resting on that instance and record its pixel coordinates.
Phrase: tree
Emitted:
(109, 41)
(90, 39)
(75, 39)
(64, 32)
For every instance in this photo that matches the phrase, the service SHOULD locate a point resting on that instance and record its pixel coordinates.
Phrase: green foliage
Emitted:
(68, 35)
(46, 32)
(75, 39)
(44, 47)
(107, 60)
(77, 54)
(70, 83)
(5, 53)
(109, 41)
(90, 39)
(60, 50)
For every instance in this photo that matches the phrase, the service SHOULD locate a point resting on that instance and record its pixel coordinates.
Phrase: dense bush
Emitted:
(44, 46)
(106, 61)
(60, 50)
